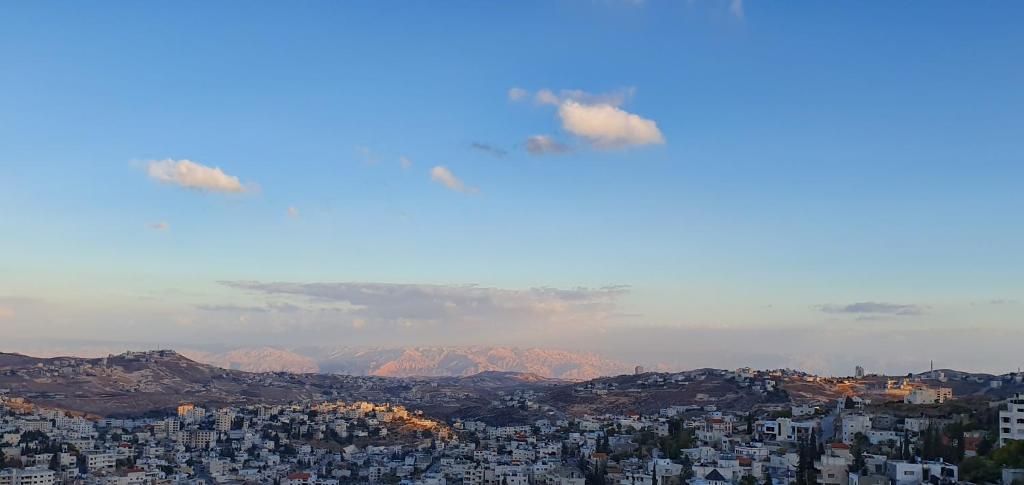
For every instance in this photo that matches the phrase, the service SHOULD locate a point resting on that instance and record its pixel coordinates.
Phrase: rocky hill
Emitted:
(134, 383)
(137, 383)
(415, 361)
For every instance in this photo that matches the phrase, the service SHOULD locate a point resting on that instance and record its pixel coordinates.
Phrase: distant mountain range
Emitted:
(137, 383)
(414, 361)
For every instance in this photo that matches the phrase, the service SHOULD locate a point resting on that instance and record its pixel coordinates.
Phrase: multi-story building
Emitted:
(99, 462)
(225, 417)
(199, 438)
(28, 476)
(929, 395)
(785, 429)
(832, 470)
(854, 424)
(1011, 421)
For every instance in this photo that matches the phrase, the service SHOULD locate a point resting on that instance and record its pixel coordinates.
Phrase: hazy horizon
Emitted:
(685, 184)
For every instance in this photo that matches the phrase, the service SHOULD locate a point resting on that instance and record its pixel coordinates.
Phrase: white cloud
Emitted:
(404, 162)
(442, 175)
(608, 126)
(599, 118)
(736, 8)
(544, 144)
(160, 226)
(189, 174)
(369, 158)
(545, 96)
(517, 94)
(617, 97)
(293, 212)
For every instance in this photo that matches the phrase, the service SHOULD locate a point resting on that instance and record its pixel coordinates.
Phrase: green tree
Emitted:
(1010, 455)
(860, 445)
(687, 471)
(976, 469)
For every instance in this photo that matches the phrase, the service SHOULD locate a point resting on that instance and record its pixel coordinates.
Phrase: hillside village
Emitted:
(701, 427)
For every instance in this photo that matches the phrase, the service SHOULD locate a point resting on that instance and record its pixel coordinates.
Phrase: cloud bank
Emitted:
(452, 306)
(873, 308)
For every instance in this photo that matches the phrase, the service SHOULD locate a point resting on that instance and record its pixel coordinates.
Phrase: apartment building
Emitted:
(1011, 421)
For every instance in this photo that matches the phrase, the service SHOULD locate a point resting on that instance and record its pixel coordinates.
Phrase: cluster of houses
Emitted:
(332, 443)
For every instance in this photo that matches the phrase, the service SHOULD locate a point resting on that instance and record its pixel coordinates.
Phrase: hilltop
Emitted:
(136, 383)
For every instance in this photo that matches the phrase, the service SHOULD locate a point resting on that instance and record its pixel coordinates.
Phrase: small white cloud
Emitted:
(160, 226)
(517, 94)
(404, 162)
(293, 212)
(608, 126)
(442, 175)
(189, 174)
(545, 96)
(544, 145)
(368, 157)
(617, 97)
(736, 8)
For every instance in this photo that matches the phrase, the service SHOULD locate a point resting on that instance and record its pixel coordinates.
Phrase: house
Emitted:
(904, 473)
(715, 478)
(299, 478)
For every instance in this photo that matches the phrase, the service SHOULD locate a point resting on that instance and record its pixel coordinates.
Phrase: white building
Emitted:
(785, 429)
(27, 476)
(1011, 421)
(928, 395)
(96, 461)
(853, 424)
(904, 473)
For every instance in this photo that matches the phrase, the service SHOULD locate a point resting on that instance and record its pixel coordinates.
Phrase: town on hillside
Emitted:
(701, 427)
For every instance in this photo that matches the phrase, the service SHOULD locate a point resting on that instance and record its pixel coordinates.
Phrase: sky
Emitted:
(689, 183)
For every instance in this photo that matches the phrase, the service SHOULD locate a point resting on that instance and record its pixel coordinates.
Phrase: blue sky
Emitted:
(814, 165)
